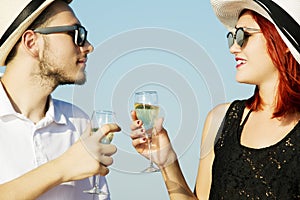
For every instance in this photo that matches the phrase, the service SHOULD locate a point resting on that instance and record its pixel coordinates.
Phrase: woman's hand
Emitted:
(162, 151)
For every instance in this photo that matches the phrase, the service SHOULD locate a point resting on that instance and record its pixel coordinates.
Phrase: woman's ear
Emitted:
(29, 42)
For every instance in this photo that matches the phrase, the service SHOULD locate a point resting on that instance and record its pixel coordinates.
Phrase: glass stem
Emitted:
(96, 182)
(149, 149)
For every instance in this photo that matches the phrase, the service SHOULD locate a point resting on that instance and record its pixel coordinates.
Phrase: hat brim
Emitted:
(228, 12)
(10, 42)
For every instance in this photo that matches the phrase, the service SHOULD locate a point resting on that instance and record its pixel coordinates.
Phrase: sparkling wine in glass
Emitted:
(147, 110)
(99, 118)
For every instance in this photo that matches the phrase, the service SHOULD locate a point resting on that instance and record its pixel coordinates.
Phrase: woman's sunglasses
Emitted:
(240, 35)
(79, 36)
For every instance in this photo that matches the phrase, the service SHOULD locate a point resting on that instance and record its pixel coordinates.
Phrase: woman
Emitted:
(255, 152)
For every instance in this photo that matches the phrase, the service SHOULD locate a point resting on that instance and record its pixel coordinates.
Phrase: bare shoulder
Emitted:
(216, 115)
(214, 119)
(212, 123)
(219, 110)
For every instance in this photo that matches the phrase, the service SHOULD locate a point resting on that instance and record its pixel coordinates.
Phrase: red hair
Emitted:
(288, 91)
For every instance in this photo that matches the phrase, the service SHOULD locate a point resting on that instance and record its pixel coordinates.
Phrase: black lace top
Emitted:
(240, 172)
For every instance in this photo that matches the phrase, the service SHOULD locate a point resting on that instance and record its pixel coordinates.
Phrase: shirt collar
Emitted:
(53, 112)
(6, 107)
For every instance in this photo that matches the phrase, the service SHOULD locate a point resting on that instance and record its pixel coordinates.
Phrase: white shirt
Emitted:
(25, 145)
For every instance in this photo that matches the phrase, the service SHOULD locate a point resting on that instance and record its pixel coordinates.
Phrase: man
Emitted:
(43, 45)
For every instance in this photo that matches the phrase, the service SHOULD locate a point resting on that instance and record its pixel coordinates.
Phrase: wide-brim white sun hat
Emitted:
(16, 17)
(284, 14)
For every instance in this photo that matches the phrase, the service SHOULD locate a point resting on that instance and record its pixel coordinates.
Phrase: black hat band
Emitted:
(26, 12)
(287, 25)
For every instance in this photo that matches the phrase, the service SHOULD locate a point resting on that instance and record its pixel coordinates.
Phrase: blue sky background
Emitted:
(175, 47)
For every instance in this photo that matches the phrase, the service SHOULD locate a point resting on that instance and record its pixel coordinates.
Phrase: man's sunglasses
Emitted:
(79, 36)
(240, 35)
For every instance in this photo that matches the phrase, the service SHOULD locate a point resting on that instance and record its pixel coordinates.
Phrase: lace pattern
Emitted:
(240, 172)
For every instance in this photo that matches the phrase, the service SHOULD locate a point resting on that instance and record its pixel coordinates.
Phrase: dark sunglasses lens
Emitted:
(230, 39)
(81, 36)
(240, 36)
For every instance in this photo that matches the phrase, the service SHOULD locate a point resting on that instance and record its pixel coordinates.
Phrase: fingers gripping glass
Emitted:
(99, 118)
(240, 35)
(147, 110)
(79, 36)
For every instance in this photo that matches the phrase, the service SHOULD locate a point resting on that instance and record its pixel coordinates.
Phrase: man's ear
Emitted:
(29, 42)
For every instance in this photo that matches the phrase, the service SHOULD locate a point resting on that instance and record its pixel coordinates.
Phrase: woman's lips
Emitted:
(239, 62)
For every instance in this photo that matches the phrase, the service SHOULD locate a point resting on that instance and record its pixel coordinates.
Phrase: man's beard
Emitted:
(58, 76)
(52, 72)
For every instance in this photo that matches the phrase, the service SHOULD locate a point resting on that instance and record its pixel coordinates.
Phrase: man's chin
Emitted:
(76, 82)
(81, 82)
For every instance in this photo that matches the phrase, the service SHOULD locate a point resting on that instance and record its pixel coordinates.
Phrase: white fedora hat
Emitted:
(284, 14)
(16, 17)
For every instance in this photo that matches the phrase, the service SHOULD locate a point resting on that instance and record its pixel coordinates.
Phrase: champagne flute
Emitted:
(146, 108)
(99, 118)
